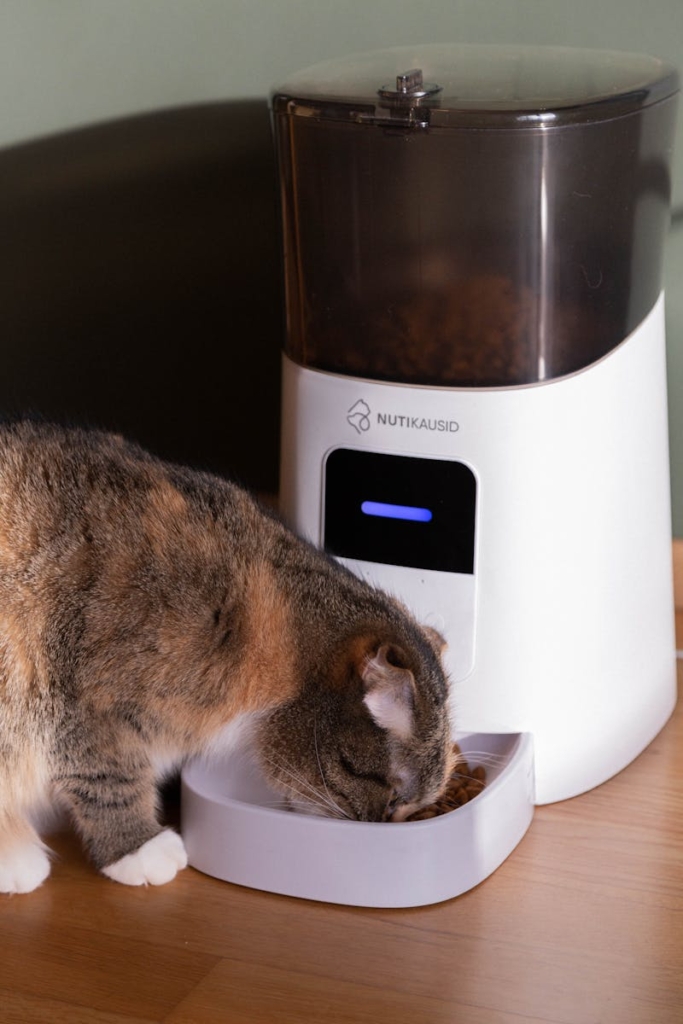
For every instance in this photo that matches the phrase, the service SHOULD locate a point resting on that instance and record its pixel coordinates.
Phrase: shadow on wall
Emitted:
(140, 282)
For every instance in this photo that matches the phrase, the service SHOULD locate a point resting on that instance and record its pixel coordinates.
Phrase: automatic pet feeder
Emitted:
(474, 417)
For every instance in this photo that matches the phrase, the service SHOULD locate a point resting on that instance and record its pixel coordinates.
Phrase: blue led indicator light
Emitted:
(387, 511)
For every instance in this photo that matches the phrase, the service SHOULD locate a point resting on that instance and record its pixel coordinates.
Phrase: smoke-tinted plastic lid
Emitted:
(469, 85)
(472, 216)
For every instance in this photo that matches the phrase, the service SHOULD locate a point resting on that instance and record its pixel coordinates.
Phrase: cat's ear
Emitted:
(389, 693)
(438, 642)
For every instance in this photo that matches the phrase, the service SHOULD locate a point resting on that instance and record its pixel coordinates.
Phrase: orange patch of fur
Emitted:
(268, 671)
(166, 512)
(357, 653)
(18, 670)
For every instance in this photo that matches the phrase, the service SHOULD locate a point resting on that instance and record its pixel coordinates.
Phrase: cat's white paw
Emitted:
(23, 868)
(156, 862)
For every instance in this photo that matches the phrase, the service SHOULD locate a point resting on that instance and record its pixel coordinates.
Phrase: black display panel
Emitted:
(400, 510)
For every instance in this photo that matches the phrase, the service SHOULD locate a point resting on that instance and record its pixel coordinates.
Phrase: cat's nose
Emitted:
(403, 811)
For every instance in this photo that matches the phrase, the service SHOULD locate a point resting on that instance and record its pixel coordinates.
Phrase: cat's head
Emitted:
(370, 738)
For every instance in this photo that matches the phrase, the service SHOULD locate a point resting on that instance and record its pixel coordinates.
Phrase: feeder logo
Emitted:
(359, 416)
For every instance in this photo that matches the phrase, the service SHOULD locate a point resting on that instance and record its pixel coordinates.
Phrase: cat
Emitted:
(145, 608)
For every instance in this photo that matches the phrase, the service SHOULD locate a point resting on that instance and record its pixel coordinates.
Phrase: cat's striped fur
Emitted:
(143, 608)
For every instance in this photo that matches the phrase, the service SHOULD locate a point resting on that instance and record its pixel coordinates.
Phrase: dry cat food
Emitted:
(479, 333)
(484, 332)
(465, 783)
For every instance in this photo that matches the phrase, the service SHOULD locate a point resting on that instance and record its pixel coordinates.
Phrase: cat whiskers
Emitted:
(334, 803)
(308, 794)
(481, 757)
(472, 759)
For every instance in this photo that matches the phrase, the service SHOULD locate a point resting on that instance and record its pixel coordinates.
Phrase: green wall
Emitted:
(68, 63)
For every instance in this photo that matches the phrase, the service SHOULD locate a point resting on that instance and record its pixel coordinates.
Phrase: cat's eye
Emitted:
(359, 773)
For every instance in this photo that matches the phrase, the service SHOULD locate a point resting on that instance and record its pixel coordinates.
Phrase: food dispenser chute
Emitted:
(474, 397)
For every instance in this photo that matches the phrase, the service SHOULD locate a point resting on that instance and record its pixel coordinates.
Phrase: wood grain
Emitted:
(583, 924)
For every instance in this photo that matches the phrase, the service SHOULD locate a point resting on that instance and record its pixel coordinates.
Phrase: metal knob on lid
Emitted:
(409, 86)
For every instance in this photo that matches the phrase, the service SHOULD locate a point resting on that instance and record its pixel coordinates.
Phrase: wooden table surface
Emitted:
(583, 924)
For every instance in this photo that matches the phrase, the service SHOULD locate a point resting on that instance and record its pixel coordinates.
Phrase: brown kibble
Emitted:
(471, 330)
(465, 784)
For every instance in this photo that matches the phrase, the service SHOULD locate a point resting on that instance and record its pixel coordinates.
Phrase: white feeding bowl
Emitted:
(233, 830)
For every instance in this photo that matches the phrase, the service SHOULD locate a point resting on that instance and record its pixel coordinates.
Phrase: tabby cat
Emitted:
(145, 608)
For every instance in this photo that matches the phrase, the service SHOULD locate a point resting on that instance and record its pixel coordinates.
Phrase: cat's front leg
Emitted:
(24, 860)
(115, 810)
(154, 863)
